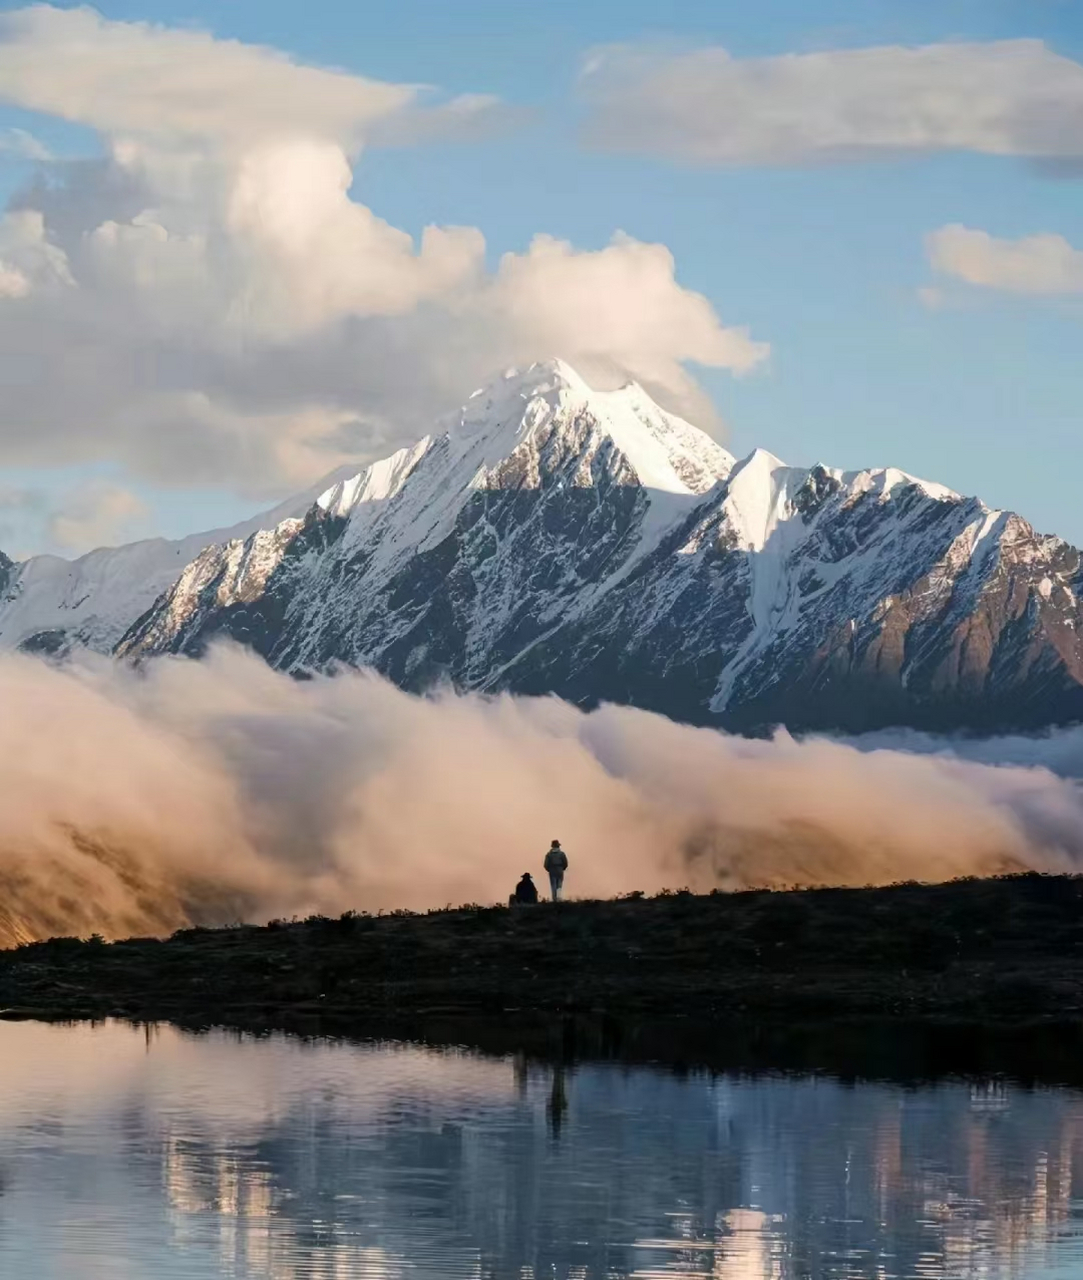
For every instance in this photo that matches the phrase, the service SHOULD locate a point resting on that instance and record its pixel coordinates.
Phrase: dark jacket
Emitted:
(556, 860)
(526, 890)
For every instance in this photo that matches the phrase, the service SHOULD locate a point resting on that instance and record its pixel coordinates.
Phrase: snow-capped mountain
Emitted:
(551, 538)
(49, 604)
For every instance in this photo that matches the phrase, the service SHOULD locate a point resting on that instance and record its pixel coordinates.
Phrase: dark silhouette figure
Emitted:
(521, 1067)
(556, 863)
(526, 892)
(557, 1107)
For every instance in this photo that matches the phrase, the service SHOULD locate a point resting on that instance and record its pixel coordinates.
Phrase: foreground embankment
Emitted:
(1005, 950)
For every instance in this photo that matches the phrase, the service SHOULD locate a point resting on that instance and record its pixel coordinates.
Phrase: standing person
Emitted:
(556, 863)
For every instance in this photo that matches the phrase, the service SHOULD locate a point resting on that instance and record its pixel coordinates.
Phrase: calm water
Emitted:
(124, 1156)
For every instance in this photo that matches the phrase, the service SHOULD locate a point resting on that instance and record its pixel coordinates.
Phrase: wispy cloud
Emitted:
(1037, 264)
(22, 145)
(134, 78)
(1015, 97)
(22, 510)
(96, 514)
(70, 519)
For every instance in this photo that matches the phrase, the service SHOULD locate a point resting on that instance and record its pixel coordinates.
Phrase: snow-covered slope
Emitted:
(549, 490)
(49, 604)
(828, 599)
(550, 538)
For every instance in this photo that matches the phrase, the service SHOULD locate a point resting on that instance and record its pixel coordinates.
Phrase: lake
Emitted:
(128, 1153)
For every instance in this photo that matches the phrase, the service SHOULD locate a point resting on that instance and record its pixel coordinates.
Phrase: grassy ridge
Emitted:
(1005, 950)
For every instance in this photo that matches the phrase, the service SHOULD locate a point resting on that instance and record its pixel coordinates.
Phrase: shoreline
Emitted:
(733, 976)
(1037, 1054)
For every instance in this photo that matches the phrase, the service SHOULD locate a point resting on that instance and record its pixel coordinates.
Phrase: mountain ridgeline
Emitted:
(554, 539)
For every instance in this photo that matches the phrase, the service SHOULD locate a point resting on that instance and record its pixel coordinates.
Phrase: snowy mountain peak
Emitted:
(532, 423)
(763, 492)
(759, 497)
(885, 480)
(553, 538)
(549, 407)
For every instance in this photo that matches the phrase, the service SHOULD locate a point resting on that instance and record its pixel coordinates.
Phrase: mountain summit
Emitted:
(550, 538)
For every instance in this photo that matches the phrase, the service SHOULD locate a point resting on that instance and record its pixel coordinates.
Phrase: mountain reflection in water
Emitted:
(124, 1156)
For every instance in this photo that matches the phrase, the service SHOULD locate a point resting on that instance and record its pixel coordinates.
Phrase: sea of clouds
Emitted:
(141, 800)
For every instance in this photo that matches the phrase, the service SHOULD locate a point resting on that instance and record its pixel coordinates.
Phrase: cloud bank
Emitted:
(1038, 264)
(98, 513)
(138, 801)
(209, 303)
(1012, 97)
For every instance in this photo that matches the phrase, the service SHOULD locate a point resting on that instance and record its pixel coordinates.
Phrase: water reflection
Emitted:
(128, 1155)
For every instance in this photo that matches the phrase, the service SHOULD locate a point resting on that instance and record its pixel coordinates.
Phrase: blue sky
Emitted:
(826, 262)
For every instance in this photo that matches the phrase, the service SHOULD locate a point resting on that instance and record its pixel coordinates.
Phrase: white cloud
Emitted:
(613, 311)
(23, 145)
(187, 87)
(13, 284)
(1038, 264)
(320, 255)
(132, 78)
(208, 303)
(99, 513)
(1013, 97)
(27, 258)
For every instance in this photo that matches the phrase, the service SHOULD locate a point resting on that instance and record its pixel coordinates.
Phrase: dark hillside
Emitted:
(1005, 950)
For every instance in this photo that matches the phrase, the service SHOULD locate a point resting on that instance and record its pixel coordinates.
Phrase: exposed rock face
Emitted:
(557, 540)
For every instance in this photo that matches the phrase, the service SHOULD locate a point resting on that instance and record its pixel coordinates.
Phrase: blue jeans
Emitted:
(556, 884)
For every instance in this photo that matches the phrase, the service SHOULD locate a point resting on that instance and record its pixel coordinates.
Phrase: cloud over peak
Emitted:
(1011, 97)
(209, 302)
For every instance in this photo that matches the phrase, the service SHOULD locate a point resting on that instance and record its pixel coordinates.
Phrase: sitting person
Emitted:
(526, 892)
